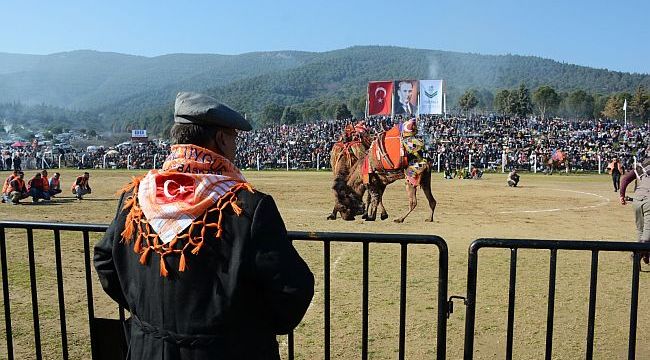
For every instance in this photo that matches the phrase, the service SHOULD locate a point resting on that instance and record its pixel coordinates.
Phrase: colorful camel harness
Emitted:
(194, 185)
(395, 150)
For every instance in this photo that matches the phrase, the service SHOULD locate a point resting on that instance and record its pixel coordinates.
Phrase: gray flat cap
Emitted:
(194, 108)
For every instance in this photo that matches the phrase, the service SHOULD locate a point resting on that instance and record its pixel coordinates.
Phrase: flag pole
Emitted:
(392, 105)
(367, 101)
(625, 112)
(418, 95)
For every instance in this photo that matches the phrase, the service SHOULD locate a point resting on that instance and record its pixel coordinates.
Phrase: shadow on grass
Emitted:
(61, 201)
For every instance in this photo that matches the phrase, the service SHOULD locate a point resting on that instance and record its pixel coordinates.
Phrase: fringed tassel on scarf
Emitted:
(147, 241)
(135, 213)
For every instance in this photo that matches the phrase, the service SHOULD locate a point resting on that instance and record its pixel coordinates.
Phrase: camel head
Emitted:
(348, 202)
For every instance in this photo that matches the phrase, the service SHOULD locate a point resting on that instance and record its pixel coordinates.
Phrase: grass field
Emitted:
(546, 207)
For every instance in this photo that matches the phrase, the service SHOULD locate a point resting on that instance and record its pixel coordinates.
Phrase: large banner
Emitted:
(406, 97)
(380, 96)
(431, 97)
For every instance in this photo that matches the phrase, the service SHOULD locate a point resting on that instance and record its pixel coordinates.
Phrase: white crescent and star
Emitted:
(181, 189)
(380, 99)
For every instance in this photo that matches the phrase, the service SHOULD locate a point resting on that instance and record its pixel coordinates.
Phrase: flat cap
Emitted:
(200, 109)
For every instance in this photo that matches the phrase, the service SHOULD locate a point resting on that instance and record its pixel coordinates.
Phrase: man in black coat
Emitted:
(228, 282)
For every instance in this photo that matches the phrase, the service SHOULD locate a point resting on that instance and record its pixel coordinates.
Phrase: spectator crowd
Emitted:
(450, 141)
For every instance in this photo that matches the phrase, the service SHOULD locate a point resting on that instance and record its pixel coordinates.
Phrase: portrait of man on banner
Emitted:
(406, 97)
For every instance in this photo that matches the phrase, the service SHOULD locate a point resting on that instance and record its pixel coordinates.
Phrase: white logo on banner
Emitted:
(430, 97)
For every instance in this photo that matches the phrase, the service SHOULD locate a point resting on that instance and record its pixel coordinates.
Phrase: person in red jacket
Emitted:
(46, 181)
(55, 184)
(36, 188)
(6, 184)
(17, 189)
(81, 186)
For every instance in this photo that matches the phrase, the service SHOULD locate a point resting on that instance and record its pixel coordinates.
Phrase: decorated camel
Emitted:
(393, 155)
(352, 146)
(558, 160)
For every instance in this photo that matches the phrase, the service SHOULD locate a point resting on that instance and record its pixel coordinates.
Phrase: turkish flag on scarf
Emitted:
(175, 187)
(380, 95)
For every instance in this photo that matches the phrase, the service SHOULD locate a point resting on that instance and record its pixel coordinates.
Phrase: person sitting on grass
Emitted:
(55, 184)
(17, 189)
(81, 186)
(6, 184)
(476, 173)
(46, 182)
(513, 178)
(36, 188)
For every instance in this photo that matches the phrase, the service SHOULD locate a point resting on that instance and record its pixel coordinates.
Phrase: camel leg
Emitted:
(332, 216)
(375, 197)
(372, 209)
(383, 214)
(413, 201)
(366, 205)
(425, 183)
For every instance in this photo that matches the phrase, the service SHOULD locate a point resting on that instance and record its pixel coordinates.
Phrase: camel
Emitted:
(377, 182)
(345, 153)
(558, 161)
(384, 163)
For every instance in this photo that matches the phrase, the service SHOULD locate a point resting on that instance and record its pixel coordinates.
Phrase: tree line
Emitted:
(546, 101)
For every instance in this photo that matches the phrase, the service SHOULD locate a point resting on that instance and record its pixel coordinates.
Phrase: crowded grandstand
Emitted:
(492, 142)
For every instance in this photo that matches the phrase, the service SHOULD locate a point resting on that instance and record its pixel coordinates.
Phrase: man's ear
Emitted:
(219, 142)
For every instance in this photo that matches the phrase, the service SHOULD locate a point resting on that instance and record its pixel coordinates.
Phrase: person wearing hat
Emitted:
(199, 258)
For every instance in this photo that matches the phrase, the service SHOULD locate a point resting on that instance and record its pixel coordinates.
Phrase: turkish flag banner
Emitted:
(380, 95)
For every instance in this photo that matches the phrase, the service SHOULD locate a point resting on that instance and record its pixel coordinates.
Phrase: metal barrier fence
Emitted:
(325, 238)
(514, 244)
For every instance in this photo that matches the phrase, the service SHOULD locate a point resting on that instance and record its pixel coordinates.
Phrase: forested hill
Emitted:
(344, 73)
(126, 91)
(89, 79)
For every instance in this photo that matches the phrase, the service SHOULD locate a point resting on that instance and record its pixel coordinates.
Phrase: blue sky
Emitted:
(602, 34)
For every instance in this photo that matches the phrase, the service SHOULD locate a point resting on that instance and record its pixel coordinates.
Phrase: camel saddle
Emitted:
(350, 151)
(386, 154)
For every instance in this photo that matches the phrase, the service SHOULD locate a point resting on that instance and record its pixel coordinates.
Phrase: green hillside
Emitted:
(124, 91)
